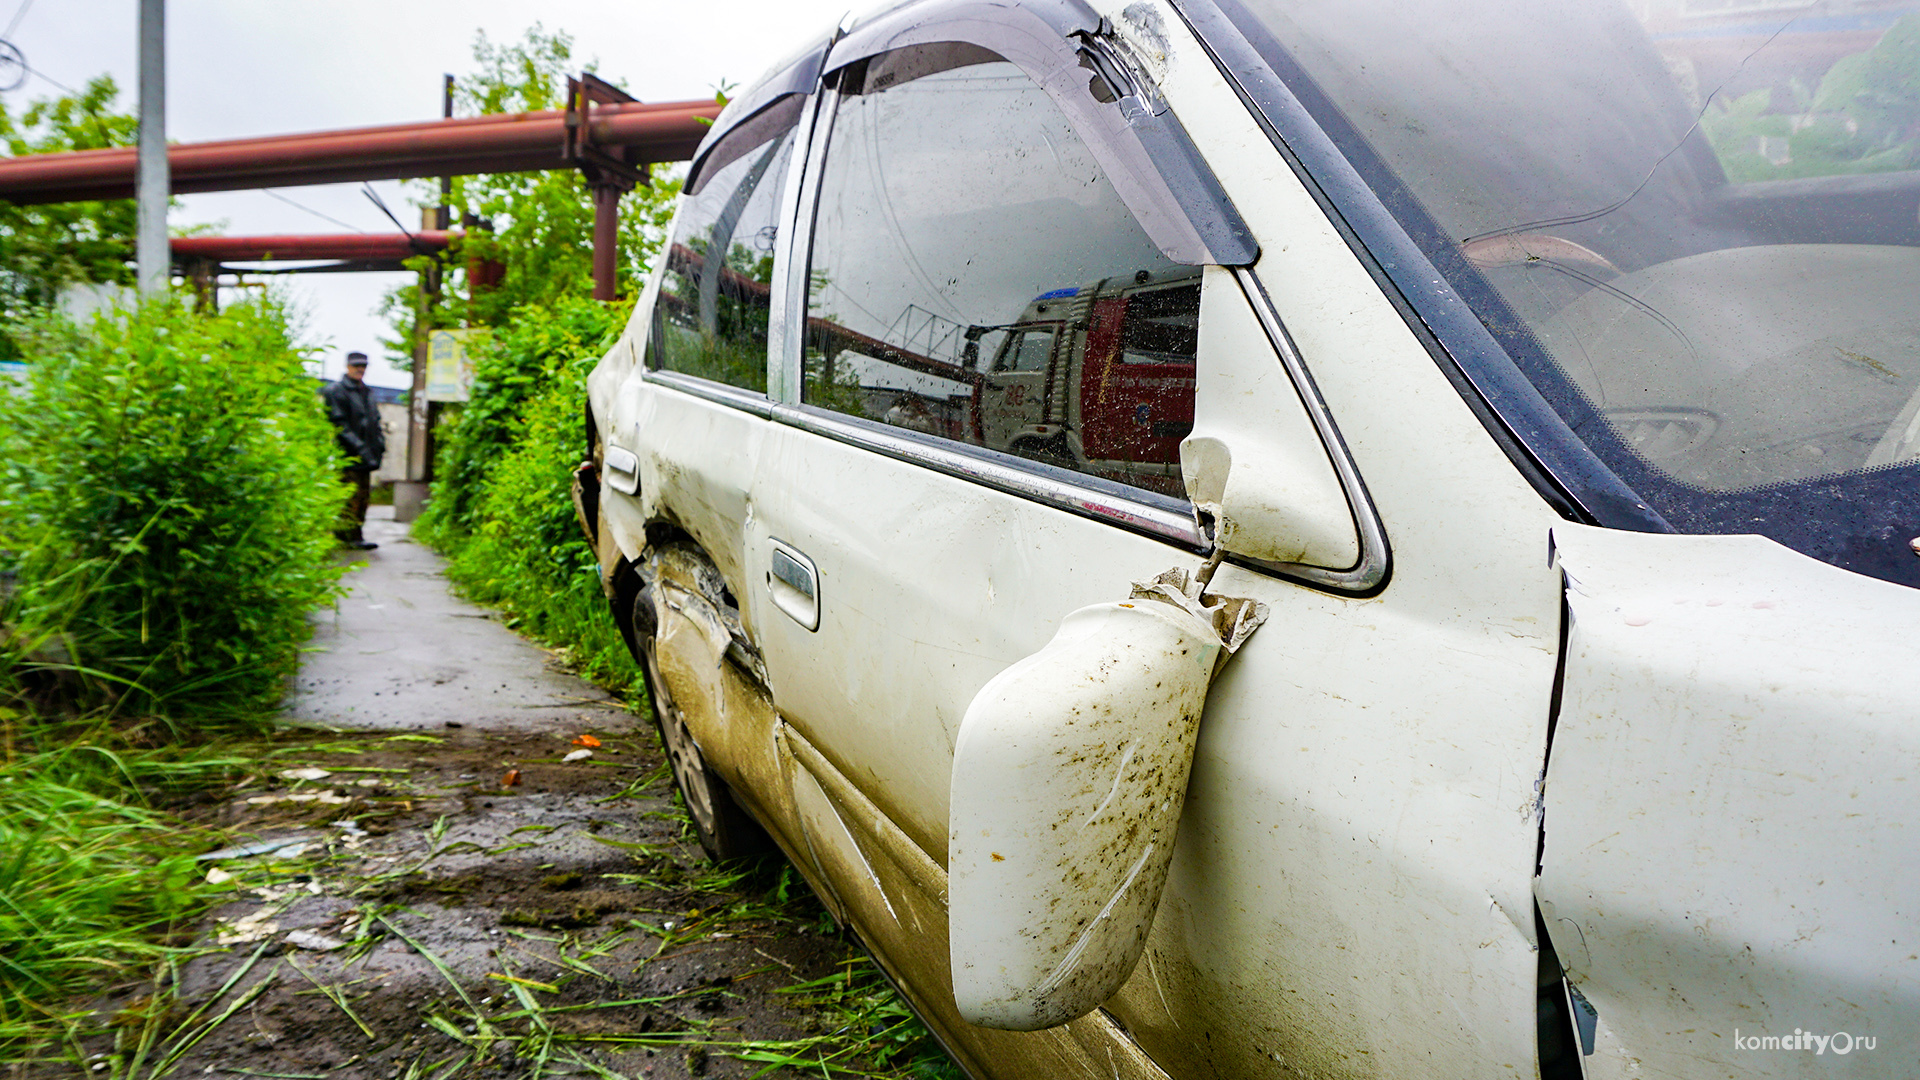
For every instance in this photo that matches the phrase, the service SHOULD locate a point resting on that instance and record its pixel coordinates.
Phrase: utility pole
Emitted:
(410, 494)
(153, 186)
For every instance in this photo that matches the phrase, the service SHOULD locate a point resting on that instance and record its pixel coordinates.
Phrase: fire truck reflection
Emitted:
(1096, 378)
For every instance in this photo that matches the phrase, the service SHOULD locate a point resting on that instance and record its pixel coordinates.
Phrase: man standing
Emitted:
(356, 425)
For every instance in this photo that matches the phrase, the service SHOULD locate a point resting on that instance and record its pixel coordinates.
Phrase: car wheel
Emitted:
(726, 832)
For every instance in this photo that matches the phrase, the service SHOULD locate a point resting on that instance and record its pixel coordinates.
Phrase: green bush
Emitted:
(168, 484)
(501, 507)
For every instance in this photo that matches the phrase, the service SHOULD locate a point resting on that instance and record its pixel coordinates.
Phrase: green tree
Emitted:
(539, 225)
(43, 248)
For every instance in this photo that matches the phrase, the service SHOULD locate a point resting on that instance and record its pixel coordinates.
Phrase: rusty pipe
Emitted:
(299, 247)
(518, 142)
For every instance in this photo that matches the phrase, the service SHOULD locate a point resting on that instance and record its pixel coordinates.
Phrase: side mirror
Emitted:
(1255, 462)
(1069, 775)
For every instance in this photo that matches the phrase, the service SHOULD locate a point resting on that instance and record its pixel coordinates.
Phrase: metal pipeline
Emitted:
(517, 142)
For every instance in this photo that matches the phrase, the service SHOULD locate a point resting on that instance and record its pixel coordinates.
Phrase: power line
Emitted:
(17, 16)
(311, 210)
(56, 82)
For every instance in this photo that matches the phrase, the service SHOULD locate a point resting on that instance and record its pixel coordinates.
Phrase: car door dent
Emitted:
(716, 677)
(1056, 870)
(1729, 801)
(904, 921)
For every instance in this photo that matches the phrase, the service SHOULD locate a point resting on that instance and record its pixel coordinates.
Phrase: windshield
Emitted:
(1693, 222)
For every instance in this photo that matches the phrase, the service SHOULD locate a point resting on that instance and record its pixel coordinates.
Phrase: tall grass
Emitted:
(167, 489)
(167, 486)
(92, 880)
(501, 509)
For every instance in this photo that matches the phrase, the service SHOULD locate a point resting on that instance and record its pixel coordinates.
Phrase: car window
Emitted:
(1690, 223)
(975, 276)
(711, 318)
(1032, 350)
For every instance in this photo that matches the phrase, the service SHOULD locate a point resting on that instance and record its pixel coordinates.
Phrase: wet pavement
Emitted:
(401, 651)
(480, 871)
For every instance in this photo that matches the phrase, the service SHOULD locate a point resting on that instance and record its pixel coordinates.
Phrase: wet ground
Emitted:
(479, 870)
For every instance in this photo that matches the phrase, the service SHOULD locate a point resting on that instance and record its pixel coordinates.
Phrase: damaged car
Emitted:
(1307, 538)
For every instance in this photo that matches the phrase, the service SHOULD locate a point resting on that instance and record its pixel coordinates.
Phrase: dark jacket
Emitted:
(356, 423)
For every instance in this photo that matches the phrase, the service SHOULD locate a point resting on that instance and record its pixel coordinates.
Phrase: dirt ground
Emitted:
(457, 899)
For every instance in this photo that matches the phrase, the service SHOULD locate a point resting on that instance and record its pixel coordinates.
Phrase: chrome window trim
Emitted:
(1043, 484)
(1069, 491)
(1370, 574)
(717, 392)
(785, 376)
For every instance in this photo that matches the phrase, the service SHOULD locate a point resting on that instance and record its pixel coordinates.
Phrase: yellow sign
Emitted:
(450, 363)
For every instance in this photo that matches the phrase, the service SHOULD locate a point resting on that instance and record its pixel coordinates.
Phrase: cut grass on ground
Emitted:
(559, 997)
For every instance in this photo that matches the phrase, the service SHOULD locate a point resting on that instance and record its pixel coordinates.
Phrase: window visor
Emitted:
(1071, 53)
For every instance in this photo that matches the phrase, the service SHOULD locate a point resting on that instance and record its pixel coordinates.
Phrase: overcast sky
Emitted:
(261, 67)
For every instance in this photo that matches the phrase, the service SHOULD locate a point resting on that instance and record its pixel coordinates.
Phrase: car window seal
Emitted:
(1161, 517)
(717, 392)
(786, 330)
(1369, 575)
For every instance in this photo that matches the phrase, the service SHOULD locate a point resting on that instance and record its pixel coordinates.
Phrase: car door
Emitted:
(1350, 886)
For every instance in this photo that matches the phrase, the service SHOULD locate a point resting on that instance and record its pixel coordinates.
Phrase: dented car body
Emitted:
(1292, 538)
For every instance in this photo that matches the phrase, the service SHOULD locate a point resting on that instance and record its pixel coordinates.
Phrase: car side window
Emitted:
(711, 317)
(975, 276)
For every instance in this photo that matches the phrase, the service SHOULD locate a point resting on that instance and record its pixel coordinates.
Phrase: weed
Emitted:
(93, 882)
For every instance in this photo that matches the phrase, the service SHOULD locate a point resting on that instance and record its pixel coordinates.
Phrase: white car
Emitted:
(1308, 538)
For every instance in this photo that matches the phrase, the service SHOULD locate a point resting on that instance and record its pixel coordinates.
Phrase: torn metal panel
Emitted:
(1729, 806)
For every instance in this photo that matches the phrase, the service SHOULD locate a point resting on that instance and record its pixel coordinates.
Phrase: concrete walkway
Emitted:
(401, 651)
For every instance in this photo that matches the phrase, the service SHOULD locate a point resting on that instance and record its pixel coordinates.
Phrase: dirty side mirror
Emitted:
(1069, 774)
(1255, 463)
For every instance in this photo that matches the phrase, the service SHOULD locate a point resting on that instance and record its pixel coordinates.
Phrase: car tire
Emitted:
(726, 832)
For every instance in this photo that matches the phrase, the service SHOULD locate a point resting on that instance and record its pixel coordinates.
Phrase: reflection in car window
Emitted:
(975, 277)
(1691, 222)
(711, 318)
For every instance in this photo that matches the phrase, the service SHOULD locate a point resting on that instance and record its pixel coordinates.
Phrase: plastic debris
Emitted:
(304, 774)
(314, 941)
(246, 928)
(577, 755)
(258, 847)
(512, 779)
(585, 740)
(327, 798)
(217, 876)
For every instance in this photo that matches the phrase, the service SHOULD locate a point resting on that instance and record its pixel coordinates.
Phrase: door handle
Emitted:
(795, 585)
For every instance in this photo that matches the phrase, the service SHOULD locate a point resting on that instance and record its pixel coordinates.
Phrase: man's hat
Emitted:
(356, 359)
